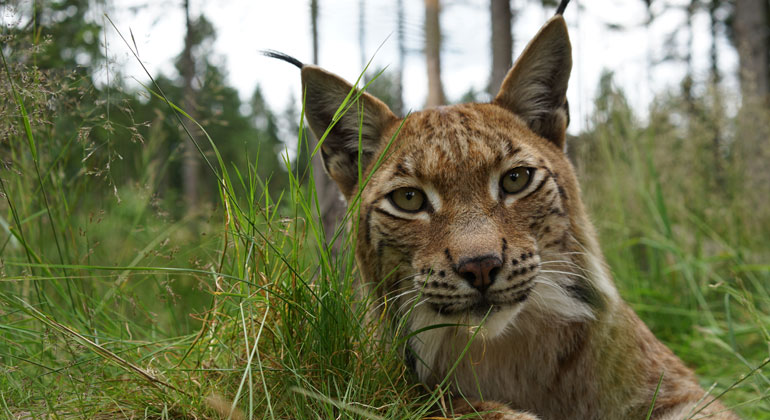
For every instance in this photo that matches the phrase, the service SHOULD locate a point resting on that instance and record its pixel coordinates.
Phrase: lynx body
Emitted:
(474, 218)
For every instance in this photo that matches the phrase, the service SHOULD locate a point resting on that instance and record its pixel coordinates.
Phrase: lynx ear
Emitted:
(324, 93)
(535, 88)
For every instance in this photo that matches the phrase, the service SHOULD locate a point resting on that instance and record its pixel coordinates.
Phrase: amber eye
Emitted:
(516, 179)
(408, 199)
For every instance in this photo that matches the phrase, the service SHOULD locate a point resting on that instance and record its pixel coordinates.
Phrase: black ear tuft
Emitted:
(281, 56)
(562, 6)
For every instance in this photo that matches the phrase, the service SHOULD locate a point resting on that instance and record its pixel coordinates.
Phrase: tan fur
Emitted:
(553, 340)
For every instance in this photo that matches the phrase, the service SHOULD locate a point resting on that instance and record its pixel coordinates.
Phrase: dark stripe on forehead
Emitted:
(401, 170)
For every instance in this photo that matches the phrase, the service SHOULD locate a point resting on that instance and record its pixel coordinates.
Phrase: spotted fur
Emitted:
(547, 337)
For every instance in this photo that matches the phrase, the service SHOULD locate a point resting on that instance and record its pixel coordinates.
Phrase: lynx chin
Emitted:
(473, 218)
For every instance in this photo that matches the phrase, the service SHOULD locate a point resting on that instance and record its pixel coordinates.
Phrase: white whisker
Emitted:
(409, 303)
(566, 273)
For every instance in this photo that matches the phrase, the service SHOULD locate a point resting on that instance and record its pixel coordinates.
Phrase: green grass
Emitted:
(118, 309)
(684, 236)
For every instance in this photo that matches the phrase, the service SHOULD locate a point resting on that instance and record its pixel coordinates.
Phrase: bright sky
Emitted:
(246, 26)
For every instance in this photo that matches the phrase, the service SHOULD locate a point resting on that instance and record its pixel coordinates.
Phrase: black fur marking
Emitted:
(560, 241)
(380, 250)
(518, 285)
(386, 239)
(367, 224)
(585, 293)
(514, 261)
(519, 296)
(284, 57)
(442, 273)
(553, 243)
(522, 296)
(560, 10)
(440, 296)
(442, 285)
(400, 170)
(539, 186)
(557, 211)
(392, 216)
(562, 192)
(552, 202)
(449, 256)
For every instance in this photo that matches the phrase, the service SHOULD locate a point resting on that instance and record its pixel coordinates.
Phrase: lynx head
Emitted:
(473, 215)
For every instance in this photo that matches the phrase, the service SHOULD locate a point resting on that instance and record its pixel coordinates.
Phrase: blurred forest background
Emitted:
(167, 250)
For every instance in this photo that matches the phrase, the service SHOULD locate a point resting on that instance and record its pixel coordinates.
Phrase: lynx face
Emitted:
(468, 221)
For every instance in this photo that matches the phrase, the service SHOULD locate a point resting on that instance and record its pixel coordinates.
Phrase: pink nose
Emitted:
(480, 272)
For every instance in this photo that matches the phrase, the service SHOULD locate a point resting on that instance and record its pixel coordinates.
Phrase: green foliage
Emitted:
(77, 45)
(115, 308)
(675, 200)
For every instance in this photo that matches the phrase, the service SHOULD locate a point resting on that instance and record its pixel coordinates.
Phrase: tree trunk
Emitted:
(750, 25)
(190, 158)
(687, 83)
(433, 54)
(314, 28)
(714, 75)
(398, 105)
(332, 207)
(714, 80)
(502, 43)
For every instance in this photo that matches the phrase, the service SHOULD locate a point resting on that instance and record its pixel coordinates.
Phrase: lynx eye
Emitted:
(408, 199)
(516, 179)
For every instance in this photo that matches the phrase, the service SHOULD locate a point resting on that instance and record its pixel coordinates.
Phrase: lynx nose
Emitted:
(480, 272)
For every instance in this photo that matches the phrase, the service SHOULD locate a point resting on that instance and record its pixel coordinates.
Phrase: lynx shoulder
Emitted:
(473, 218)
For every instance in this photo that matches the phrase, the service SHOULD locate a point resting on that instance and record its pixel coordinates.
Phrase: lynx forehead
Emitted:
(473, 236)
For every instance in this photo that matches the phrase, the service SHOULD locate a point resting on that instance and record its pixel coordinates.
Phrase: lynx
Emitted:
(473, 219)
